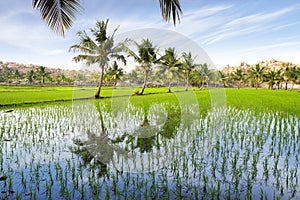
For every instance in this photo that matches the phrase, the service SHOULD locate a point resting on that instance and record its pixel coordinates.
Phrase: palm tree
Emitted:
(223, 77)
(196, 78)
(271, 79)
(170, 64)
(30, 76)
(60, 14)
(257, 74)
(205, 73)
(42, 74)
(98, 51)
(238, 75)
(286, 68)
(146, 57)
(17, 76)
(188, 66)
(115, 73)
(293, 75)
(278, 77)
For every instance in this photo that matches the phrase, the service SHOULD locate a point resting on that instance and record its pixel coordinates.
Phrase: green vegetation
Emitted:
(262, 100)
(88, 151)
(89, 148)
(98, 51)
(146, 58)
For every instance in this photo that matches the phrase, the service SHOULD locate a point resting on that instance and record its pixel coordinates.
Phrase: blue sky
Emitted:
(228, 31)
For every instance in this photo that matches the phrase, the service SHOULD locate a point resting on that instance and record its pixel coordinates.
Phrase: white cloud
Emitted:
(211, 26)
(272, 46)
(246, 25)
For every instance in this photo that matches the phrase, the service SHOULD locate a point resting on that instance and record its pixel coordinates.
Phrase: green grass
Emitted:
(265, 100)
(285, 102)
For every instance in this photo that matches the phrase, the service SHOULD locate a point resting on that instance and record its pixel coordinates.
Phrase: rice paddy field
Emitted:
(181, 145)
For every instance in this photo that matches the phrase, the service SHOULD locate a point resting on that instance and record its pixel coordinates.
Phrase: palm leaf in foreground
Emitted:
(58, 14)
(170, 9)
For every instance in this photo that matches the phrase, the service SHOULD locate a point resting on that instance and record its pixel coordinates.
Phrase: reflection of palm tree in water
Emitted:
(148, 134)
(101, 148)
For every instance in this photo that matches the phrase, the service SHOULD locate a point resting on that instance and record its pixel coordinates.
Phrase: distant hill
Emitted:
(270, 65)
(24, 69)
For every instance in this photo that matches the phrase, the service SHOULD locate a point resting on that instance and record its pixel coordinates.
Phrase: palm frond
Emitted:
(79, 58)
(58, 14)
(132, 54)
(170, 9)
(79, 48)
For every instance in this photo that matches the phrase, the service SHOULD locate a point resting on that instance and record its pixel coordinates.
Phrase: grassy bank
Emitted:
(258, 100)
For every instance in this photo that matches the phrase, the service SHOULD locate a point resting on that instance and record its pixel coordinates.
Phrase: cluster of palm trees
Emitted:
(100, 49)
(257, 75)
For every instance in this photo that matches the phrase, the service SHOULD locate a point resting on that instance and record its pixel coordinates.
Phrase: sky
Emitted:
(229, 32)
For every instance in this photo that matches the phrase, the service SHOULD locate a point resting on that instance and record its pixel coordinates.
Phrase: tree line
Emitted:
(154, 67)
(99, 49)
(257, 75)
(38, 76)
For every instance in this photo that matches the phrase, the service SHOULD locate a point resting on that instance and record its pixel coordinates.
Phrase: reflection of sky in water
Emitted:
(43, 136)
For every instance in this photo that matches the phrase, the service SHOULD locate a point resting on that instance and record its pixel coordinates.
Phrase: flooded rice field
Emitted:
(90, 151)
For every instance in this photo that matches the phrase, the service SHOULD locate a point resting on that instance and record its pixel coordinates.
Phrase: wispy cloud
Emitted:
(205, 12)
(259, 17)
(272, 46)
(246, 25)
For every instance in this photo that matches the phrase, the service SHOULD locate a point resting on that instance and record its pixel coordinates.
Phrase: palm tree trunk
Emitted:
(97, 95)
(270, 86)
(145, 83)
(286, 85)
(169, 88)
(115, 85)
(187, 84)
(201, 85)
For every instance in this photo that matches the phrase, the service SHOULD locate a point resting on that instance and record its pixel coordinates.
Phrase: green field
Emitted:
(157, 144)
(259, 100)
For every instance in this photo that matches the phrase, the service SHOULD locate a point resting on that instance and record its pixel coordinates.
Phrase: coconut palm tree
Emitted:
(98, 51)
(286, 68)
(238, 75)
(170, 64)
(271, 79)
(42, 74)
(188, 65)
(293, 75)
(205, 73)
(257, 75)
(146, 57)
(60, 14)
(223, 77)
(30, 76)
(115, 73)
(278, 77)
